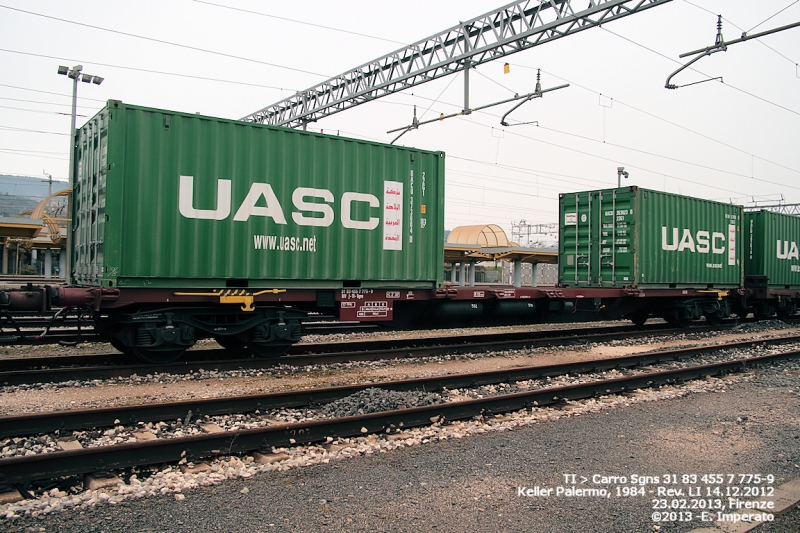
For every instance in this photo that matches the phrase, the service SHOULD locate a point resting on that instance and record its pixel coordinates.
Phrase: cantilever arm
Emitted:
(503, 120)
(525, 97)
(720, 46)
(669, 85)
(531, 96)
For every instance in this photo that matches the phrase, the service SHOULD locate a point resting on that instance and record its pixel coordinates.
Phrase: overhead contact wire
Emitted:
(135, 69)
(703, 73)
(703, 135)
(304, 23)
(625, 148)
(162, 41)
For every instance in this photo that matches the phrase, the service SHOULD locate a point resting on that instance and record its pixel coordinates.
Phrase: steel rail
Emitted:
(18, 425)
(210, 354)
(31, 333)
(20, 470)
(214, 354)
(356, 351)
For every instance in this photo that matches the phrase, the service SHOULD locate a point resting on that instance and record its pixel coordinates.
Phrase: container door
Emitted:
(596, 248)
(615, 247)
(89, 197)
(578, 232)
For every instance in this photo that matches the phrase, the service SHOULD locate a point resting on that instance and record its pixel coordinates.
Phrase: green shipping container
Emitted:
(169, 199)
(771, 248)
(643, 238)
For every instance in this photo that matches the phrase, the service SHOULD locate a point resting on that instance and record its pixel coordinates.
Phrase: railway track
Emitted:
(111, 366)
(29, 331)
(11, 426)
(22, 470)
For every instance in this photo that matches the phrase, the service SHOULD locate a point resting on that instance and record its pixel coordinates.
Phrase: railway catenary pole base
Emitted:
(472, 484)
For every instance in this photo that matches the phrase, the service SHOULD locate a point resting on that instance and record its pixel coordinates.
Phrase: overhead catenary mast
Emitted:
(509, 29)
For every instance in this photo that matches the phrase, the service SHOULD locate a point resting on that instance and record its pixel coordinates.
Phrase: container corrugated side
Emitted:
(190, 200)
(644, 238)
(771, 248)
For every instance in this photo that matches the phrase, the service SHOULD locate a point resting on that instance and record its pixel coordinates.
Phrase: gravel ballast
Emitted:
(209, 383)
(468, 479)
(376, 400)
(368, 401)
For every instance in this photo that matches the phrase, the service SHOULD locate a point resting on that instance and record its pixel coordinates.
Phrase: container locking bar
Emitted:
(234, 296)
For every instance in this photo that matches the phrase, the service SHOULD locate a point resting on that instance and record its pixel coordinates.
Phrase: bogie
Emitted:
(162, 335)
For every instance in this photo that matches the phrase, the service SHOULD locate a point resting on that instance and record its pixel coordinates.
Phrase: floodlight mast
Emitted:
(509, 29)
(621, 173)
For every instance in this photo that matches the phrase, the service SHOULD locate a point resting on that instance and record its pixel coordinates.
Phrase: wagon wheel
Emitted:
(231, 342)
(115, 338)
(273, 349)
(713, 318)
(784, 313)
(157, 356)
(118, 344)
(764, 312)
(677, 319)
(740, 311)
(639, 318)
(111, 333)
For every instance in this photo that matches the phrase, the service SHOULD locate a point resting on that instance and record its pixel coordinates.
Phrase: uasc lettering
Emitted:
(788, 250)
(702, 242)
(307, 213)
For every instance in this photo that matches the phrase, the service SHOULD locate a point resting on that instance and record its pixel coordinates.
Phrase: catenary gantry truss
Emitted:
(509, 29)
(787, 209)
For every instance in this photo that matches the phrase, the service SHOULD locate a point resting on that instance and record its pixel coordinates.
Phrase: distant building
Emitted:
(21, 254)
(21, 193)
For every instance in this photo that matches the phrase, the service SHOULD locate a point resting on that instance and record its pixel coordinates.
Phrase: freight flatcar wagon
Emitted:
(189, 226)
(645, 239)
(772, 262)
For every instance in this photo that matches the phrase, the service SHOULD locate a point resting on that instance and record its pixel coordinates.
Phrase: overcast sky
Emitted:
(734, 140)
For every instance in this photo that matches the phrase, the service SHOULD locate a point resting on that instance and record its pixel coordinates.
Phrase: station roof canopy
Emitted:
(46, 243)
(483, 235)
(23, 227)
(490, 243)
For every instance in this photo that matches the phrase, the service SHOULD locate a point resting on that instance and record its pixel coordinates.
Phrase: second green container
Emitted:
(632, 237)
(771, 248)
